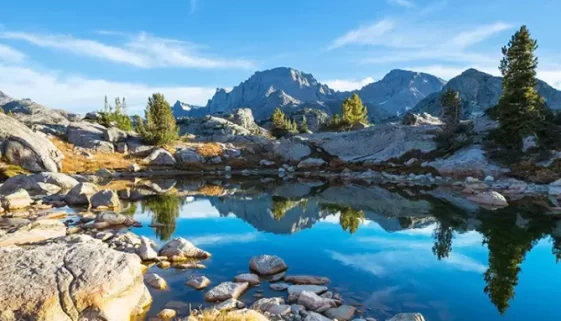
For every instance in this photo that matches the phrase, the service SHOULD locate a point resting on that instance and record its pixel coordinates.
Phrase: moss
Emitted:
(7, 171)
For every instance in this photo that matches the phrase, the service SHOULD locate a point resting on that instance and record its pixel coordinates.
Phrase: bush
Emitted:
(337, 124)
(115, 117)
(449, 141)
(159, 128)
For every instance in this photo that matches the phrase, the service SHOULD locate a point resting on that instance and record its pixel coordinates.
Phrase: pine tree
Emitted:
(118, 106)
(106, 105)
(282, 125)
(450, 112)
(303, 128)
(520, 105)
(160, 127)
(124, 106)
(354, 111)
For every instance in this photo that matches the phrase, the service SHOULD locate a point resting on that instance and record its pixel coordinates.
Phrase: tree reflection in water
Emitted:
(349, 218)
(282, 205)
(165, 210)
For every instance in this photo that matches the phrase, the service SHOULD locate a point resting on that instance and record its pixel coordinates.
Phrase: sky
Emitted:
(69, 54)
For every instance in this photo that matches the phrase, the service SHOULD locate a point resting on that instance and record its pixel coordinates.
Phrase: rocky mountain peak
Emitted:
(4, 99)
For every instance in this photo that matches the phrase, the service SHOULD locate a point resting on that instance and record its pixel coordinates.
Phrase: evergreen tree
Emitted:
(519, 108)
(118, 105)
(282, 125)
(450, 112)
(106, 105)
(303, 128)
(160, 127)
(124, 106)
(354, 111)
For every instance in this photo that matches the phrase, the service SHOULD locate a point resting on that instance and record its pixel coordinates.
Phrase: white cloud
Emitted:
(224, 238)
(9, 54)
(348, 84)
(193, 7)
(471, 37)
(79, 94)
(449, 72)
(140, 50)
(366, 35)
(551, 75)
(403, 3)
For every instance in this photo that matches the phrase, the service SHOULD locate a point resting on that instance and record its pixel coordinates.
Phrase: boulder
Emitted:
(289, 150)
(76, 277)
(280, 286)
(225, 291)
(198, 282)
(342, 313)
(107, 198)
(31, 113)
(122, 147)
(63, 181)
(146, 252)
(313, 302)
(267, 264)
(180, 248)
(16, 200)
(90, 136)
(31, 232)
(250, 278)
(137, 148)
(20, 146)
(244, 117)
(167, 314)
(298, 289)
(306, 279)
(160, 157)
(311, 163)
(188, 156)
(407, 317)
(113, 219)
(115, 135)
(81, 194)
(490, 198)
(155, 281)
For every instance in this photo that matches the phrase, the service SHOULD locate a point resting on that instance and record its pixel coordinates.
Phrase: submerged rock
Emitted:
(306, 279)
(225, 291)
(266, 303)
(314, 302)
(407, 317)
(155, 281)
(112, 218)
(109, 286)
(252, 279)
(312, 316)
(298, 289)
(342, 313)
(267, 264)
(181, 249)
(281, 286)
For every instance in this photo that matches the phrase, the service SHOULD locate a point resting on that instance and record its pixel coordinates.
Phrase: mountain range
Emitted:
(293, 90)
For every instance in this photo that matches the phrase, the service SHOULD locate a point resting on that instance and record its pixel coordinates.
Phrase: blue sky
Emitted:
(69, 54)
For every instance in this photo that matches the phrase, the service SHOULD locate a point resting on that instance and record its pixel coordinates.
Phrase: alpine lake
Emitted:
(385, 249)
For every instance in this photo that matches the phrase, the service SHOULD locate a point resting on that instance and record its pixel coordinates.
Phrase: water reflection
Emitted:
(508, 234)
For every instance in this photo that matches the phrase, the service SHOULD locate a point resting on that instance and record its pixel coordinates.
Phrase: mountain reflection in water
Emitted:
(282, 208)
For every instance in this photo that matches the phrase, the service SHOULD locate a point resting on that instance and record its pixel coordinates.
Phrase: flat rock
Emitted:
(180, 248)
(230, 304)
(306, 279)
(89, 136)
(31, 232)
(109, 286)
(298, 289)
(112, 218)
(407, 317)
(289, 150)
(342, 313)
(279, 309)
(311, 163)
(252, 279)
(312, 316)
(225, 291)
(198, 282)
(16, 200)
(267, 264)
(280, 286)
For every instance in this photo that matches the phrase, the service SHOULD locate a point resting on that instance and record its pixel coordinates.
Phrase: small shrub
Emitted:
(282, 125)
(115, 116)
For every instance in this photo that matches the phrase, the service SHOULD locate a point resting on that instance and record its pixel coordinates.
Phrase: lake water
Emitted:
(386, 250)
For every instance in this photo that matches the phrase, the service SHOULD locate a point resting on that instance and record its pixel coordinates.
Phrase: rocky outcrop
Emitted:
(290, 150)
(32, 232)
(411, 119)
(20, 146)
(89, 136)
(188, 156)
(480, 91)
(115, 135)
(375, 144)
(469, 161)
(73, 278)
(29, 112)
(314, 119)
(34, 184)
